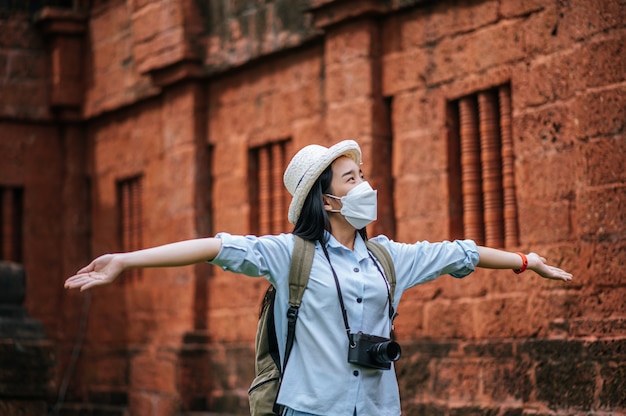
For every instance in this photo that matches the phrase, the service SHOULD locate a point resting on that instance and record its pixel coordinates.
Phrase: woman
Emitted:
(331, 205)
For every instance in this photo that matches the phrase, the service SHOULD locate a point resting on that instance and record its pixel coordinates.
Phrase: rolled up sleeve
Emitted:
(254, 256)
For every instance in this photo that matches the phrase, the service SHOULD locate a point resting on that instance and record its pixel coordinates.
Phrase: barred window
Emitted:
(11, 223)
(268, 197)
(483, 204)
(129, 192)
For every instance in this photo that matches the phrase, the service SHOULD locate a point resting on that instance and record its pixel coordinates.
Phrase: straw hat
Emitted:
(307, 165)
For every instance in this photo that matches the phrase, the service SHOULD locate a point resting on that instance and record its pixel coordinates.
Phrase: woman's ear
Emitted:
(326, 202)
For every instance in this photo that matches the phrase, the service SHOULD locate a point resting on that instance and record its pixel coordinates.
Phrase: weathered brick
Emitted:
(562, 167)
(506, 379)
(604, 161)
(153, 375)
(405, 70)
(578, 21)
(613, 386)
(457, 380)
(353, 41)
(596, 214)
(540, 132)
(491, 317)
(446, 319)
(600, 113)
(416, 374)
(349, 81)
(566, 383)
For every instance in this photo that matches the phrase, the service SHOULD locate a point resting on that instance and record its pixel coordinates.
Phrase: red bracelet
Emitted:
(524, 263)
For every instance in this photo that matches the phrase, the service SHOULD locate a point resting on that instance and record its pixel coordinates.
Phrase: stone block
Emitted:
(604, 161)
(588, 17)
(405, 71)
(535, 217)
(613, 386)
(506, 380)
(515, 8)
(446, 319)
(564, 167)
(547, 80)
(421, 198)
(597, 216)
(415, 375)
(457, 380)
(566, 382)
(600, 113)
(541, 32)
(602, 327)
(351, 119)
(496, 317)
(349, 81)
(538, 133)
(146, 403)
(153, 374)
(27, 369)
(417, 114)
(599, 62)
(350, 42)
(23, 407)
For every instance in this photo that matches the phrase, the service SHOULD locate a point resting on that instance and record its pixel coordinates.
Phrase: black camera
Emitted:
(372, 351)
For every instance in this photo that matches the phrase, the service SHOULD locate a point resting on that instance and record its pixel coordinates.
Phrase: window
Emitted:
(130, 216)
(268, 197)
(11, 223)
(483, 205)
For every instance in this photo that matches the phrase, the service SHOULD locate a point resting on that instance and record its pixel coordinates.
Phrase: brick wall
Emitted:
(176, 93)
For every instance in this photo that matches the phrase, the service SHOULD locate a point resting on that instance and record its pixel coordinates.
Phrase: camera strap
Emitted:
(344, 313)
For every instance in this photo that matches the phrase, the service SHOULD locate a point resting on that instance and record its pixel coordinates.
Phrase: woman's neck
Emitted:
(344, 233)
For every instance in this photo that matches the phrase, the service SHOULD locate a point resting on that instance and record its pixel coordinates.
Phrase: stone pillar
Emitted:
(355, 107)
(26, 357)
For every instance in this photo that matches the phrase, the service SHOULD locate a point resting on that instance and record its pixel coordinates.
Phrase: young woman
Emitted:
(331, 205)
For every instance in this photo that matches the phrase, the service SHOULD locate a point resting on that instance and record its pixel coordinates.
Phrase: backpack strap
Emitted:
(299, 271)
(301, 262)
(383, 256)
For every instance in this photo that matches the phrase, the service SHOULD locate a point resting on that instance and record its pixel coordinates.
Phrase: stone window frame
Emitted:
(269, 200)
(483, 204)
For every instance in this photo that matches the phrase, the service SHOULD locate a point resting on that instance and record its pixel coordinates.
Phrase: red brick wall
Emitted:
(177, 92)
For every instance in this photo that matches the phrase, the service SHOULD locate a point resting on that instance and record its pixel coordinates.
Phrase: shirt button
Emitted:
(355, 373)
(356, 270)
(359, 300)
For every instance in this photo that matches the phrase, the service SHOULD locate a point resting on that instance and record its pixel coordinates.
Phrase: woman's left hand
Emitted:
(540, 266)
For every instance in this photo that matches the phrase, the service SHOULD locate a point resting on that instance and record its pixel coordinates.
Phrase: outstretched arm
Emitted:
(104, 269)
(492, 258)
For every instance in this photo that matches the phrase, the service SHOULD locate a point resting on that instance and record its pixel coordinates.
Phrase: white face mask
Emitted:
(359, 206)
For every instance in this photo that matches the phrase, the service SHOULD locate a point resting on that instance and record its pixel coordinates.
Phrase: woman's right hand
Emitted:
(102, 271)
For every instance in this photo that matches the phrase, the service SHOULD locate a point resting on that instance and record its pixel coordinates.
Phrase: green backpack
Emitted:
(264, 390)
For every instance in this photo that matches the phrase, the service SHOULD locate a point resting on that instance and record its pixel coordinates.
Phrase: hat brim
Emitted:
(348, 148)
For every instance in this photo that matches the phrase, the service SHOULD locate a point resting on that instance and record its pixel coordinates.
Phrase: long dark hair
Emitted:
(313, 219)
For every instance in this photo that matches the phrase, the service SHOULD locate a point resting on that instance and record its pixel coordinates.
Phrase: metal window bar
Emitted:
(491, 161)
(511, 232)
(473, 225)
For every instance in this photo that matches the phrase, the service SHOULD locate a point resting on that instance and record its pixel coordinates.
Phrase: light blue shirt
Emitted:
(318, 379)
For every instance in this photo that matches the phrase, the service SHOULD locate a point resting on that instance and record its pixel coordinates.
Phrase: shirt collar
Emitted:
(360, 250)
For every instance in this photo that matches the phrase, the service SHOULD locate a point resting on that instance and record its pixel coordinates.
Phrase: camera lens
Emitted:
(384, 352)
